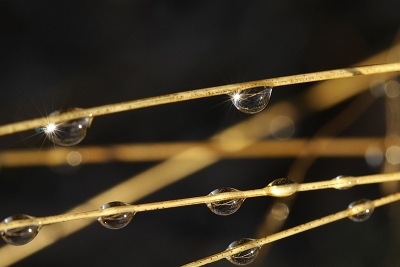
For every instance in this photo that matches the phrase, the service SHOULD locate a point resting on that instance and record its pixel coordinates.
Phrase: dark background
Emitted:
(56, 54)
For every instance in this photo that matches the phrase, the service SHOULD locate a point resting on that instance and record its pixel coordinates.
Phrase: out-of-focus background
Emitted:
(56, 55)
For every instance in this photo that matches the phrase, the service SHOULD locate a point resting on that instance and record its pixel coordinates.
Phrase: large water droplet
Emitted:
(66, 133)
(252, 100)
(19, 236)
(363, 215)
(244, 257)
(348, 185)
(115, 221)
(225, 207)
(282, 187)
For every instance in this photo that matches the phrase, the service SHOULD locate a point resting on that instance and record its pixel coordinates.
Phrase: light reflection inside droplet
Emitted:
(50, 128)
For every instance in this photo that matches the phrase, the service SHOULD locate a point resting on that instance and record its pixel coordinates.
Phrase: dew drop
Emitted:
(115, 221)
(252, 100)
(282, 187)
(244, 257)
(225, 207)
(363, 215)
(68, 133)
(19, 236)
(280, 211)
(349, 183)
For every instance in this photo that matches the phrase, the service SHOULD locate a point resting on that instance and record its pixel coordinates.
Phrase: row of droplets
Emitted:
(24, 235)
(248, 256)
(72, 132)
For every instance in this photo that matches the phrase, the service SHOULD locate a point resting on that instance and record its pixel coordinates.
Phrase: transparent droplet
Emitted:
(19, 236)
(282, 187)
(348, 184)
(244, 257)
(280, 211)
(66, 133)
(252, 100)
(363, 215)
(225, 207)
(115, 221)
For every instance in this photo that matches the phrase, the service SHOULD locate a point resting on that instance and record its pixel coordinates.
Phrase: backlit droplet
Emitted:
(19, 236)
(225, 207)
(244, 257)
(348, 183)
(252, 100)
(67, 133)
(115, 221)
(282, 187)
(364, 214)
(280, 211)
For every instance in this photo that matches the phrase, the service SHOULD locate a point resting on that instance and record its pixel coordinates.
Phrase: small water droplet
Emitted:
(348, 185)
(115, 221)
(225, 207)
(252, 100)
(282, 187)
(363, 215)
(68, 133)
(244, 257)
(19, 236)
(280, 211)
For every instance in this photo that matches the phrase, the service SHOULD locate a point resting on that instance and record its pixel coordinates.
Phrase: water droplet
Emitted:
(225, 207)
(19, 236)
(252, 100)
(363, 215)
(66, 133)
(244, 257)
(280, 211)
(115, 221)
(348, 184)
(282, 187)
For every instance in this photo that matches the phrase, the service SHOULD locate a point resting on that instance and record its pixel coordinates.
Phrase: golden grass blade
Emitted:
(200, 93)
